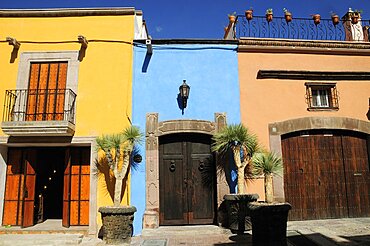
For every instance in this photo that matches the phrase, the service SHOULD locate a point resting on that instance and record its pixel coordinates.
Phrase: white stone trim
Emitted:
(49, 56)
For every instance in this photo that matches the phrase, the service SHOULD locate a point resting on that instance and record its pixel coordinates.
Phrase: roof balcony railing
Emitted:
(301, 28)
(39, 105)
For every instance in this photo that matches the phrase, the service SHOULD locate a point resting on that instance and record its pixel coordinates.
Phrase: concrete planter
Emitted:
(269, 223)
(238, 219)
(117, 224)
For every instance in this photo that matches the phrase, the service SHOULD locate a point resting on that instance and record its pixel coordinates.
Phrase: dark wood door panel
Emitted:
(186, 180)
(201, 190)
(326, 175)
(173, 192)
(355, 156)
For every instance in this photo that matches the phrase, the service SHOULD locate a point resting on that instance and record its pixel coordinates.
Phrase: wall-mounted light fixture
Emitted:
(149, 47)
(14, 42)
(184, 93)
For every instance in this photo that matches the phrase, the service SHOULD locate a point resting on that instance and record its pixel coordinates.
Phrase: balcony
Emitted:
(40, 112)
(299, 28)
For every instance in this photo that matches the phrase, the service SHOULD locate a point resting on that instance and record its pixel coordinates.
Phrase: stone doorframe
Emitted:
(277, 129)
(153, 130)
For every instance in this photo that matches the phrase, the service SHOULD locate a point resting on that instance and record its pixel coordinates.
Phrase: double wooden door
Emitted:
(326, 174)
(47, 183)
(186, 180)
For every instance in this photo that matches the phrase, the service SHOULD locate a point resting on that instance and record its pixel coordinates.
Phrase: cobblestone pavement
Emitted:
(352, 231)
(334, 232)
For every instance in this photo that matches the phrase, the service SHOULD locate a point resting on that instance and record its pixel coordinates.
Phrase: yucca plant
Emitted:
(267, 164)
(118, 149)
(243, 144)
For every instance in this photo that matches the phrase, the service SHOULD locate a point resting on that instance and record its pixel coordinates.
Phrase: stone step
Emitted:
(40, 239)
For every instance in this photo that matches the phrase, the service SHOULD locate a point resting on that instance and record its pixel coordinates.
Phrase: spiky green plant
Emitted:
(244, 145)
(114, 146)
(268, 164)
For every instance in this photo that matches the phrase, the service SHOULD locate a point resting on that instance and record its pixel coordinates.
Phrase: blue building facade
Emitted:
(210, 68)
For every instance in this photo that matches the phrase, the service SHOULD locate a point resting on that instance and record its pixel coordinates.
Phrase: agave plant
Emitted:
(267, 164)
(116, 146)
(236, 137)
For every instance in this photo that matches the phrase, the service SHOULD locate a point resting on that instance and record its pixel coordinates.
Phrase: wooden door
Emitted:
(186, 180)
(67, 189)
(356, 162)
(76, 187)
(201, 176)
(326, 175)
(14, 188)
(46, 91)
(29, 188)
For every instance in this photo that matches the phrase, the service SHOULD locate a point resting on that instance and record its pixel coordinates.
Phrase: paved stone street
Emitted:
(351, 232)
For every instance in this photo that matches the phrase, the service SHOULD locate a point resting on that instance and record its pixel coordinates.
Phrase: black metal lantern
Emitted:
(184, 93)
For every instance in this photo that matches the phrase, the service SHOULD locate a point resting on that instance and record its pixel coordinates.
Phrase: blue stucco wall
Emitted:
(211, 71)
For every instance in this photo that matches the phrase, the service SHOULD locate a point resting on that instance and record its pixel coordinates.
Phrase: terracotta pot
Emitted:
(232, 18)
(316, 19)
(288, 17)
(335, 19)
(269, 17)
(354, 19)
(249, 14)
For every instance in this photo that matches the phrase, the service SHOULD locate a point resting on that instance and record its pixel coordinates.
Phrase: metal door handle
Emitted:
(357, 174)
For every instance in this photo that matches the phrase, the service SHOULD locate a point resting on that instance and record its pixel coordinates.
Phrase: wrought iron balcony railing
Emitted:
(39, 105)
(300, 28)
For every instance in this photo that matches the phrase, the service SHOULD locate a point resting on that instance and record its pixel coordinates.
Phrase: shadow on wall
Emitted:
(103, 171)
(144, 68)
(180, 103)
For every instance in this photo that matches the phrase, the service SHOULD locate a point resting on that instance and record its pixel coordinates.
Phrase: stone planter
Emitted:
(269, 223)
(238, 219)
(117, 224)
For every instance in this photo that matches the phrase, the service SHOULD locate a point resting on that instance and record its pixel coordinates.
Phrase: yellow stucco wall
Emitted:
(104, 93)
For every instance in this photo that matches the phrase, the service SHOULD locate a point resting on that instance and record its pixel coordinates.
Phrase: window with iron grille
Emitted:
(321, 96)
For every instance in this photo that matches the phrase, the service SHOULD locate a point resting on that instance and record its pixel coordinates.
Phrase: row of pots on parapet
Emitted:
(288, 17)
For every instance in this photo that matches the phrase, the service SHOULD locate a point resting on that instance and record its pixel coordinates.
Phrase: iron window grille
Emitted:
(321, 96)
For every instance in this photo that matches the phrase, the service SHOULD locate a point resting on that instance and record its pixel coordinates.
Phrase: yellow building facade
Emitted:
(66, 78)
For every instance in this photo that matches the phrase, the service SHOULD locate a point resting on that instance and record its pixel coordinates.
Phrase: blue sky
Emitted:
(201, 18)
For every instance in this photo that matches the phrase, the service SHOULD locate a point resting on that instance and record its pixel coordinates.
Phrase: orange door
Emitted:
(46, 91)
(67, 189)
(13, 192)
(76, 187)
(29, 188)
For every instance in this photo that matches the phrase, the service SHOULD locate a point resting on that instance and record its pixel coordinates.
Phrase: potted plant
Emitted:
(232, 17)
(117, 150)
(334, 18)
(287, 15)
(236, 140)
(269, 218)
(249, 13)
(269, 15)
(316, 18)
(356, 15)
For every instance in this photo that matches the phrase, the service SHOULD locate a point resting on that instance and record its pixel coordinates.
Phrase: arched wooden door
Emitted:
(326, 174)
(186, 179)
